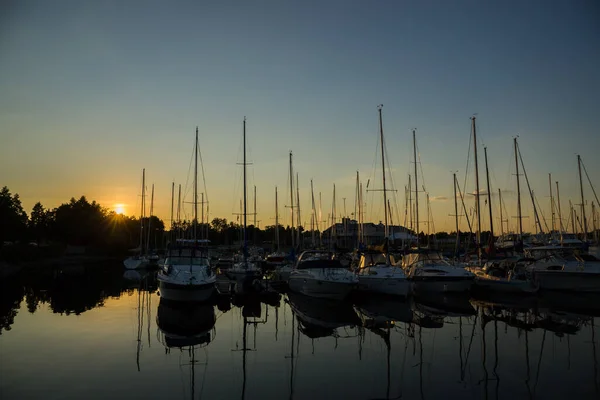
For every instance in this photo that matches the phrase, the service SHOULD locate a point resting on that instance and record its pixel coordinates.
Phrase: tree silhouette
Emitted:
(12, 216)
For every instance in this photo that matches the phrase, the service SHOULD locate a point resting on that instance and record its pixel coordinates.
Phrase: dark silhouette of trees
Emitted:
(13, 218)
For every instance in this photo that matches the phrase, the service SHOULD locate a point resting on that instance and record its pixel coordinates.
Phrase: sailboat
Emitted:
(186, 274)
(140, 260)
(245, 271)
(428, 270)
(377, 271)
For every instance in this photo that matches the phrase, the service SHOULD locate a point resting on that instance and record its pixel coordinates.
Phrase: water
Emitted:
(92, 334)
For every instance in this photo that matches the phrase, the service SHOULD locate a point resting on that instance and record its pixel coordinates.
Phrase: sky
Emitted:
(93, 92)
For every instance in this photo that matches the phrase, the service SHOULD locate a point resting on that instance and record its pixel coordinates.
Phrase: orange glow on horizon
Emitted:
(119, 208)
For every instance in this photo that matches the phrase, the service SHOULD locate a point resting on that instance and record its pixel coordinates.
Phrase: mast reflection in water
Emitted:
(92, 334)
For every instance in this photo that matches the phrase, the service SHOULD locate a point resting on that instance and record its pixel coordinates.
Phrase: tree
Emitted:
(39, 223)
(80, 222)
(12, 216)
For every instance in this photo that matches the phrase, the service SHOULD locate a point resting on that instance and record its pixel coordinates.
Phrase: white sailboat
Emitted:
(377, 272)
(244, 271)
(139, 260)
(186, 274)
(427, 270)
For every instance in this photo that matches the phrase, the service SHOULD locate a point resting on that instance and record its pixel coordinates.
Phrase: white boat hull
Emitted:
(320, 288)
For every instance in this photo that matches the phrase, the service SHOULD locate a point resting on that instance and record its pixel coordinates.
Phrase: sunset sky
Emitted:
(91, 92)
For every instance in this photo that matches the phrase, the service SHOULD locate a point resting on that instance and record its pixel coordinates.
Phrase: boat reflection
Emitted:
(319, 317)
(187, 327)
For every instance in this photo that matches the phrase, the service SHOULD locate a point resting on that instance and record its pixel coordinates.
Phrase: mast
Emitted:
(333, 219)
(457, 243)
(179, 209)
(477, 199)
(551, 203)
(245, 199)
(501, 217)
(202, 215)
(320, 216)
(379, 107)
(292, 198)
(582, 200)
(298, 207)
(560, 224)
(314, 213)
(487, 175)
(416, 187)
(276, 220)
(594, 223)
(150, 219)
(142, 211)
(196, 186)
(172, 204)
(410, 205)
(519, 215)
(254, 215)
(357, 208)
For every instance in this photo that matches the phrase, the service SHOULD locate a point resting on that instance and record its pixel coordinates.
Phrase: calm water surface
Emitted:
(93, 334)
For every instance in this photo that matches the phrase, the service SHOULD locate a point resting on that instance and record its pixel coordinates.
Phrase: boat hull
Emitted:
(576, 281)
(135, 263)
(320, 288)
(441, 284)
(391, 286)
(504, 285)
(185, 293)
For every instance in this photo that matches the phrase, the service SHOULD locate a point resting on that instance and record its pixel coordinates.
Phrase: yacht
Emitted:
(505, 275)
(186, 274)
(378, 273)
(430, 272)
(319, 274)
(555, 268)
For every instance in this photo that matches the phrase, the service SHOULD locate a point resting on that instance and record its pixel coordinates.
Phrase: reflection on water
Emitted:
(93, 333)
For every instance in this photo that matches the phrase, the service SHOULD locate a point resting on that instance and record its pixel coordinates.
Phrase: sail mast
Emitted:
(477, 199)
(410, 203)
(150, 220)
(379, 107)
(457, 242)
(519, 215)
(276, 220)
(551, 204)
(179, 211)
(298, 212)
(245, 198)
(292, 198)
(501, 217)
(254, 236)
(582, 200)
(416, 187)
(487, 174)
(172, 204)
(142, 211)
(314, 213)
(196, 186)
(560, 223)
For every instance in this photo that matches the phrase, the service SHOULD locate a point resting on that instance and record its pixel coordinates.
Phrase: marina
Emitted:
(288, 345)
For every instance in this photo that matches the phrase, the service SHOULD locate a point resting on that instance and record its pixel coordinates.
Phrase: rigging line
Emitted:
(535, 213)
(589, 180)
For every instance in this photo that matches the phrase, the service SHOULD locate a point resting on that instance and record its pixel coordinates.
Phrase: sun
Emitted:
(119, 208)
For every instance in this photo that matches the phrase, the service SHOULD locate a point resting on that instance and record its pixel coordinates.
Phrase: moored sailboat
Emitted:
(186, 274)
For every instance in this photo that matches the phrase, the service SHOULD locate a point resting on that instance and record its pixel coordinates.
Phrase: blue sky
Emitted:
(92, 92)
